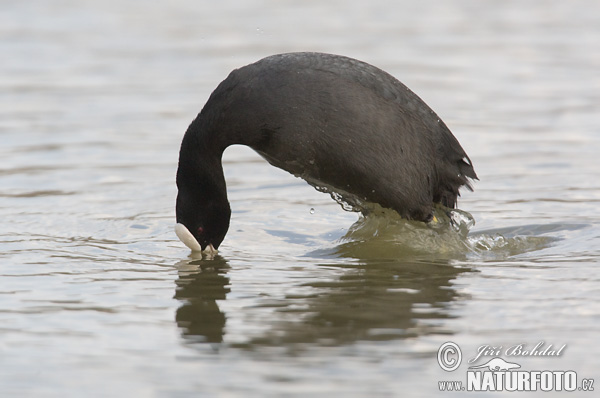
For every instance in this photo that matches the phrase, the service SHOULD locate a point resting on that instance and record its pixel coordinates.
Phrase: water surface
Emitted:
(99, 298)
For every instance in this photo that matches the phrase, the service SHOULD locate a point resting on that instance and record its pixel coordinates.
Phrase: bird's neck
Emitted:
(200, 166)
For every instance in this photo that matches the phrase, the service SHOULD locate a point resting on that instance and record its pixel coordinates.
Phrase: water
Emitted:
(99, 298)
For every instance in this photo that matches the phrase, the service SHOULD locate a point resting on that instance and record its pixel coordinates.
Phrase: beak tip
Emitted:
(210, 249)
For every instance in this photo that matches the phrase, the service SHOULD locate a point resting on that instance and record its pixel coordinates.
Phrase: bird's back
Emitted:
(345, 124)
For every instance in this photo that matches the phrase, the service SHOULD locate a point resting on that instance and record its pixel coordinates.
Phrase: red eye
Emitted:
(200, 230)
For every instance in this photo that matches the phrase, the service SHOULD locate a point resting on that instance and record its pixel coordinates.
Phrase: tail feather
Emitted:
(452, 178)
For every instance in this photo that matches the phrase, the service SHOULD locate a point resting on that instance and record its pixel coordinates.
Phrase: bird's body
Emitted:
(331, 120)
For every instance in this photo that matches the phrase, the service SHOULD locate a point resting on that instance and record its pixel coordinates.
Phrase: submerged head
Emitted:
(201, 225)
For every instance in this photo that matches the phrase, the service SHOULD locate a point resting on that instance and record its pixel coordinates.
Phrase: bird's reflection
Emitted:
(201, 284)
(371, 300)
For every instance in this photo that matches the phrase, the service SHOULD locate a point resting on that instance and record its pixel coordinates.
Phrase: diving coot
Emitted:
(334, 121)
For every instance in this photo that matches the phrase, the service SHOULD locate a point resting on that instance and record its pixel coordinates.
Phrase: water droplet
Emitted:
(312, 211)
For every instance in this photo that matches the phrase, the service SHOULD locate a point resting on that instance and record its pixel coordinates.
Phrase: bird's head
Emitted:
(201, 223)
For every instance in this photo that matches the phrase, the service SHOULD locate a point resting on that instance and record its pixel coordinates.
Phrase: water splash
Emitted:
(348, 201)
(505, 242)
(382, 233)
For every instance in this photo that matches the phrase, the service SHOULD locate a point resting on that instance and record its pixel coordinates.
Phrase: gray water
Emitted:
(98, 298)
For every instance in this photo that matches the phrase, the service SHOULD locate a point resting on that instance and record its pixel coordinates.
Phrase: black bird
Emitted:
(338, 123)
